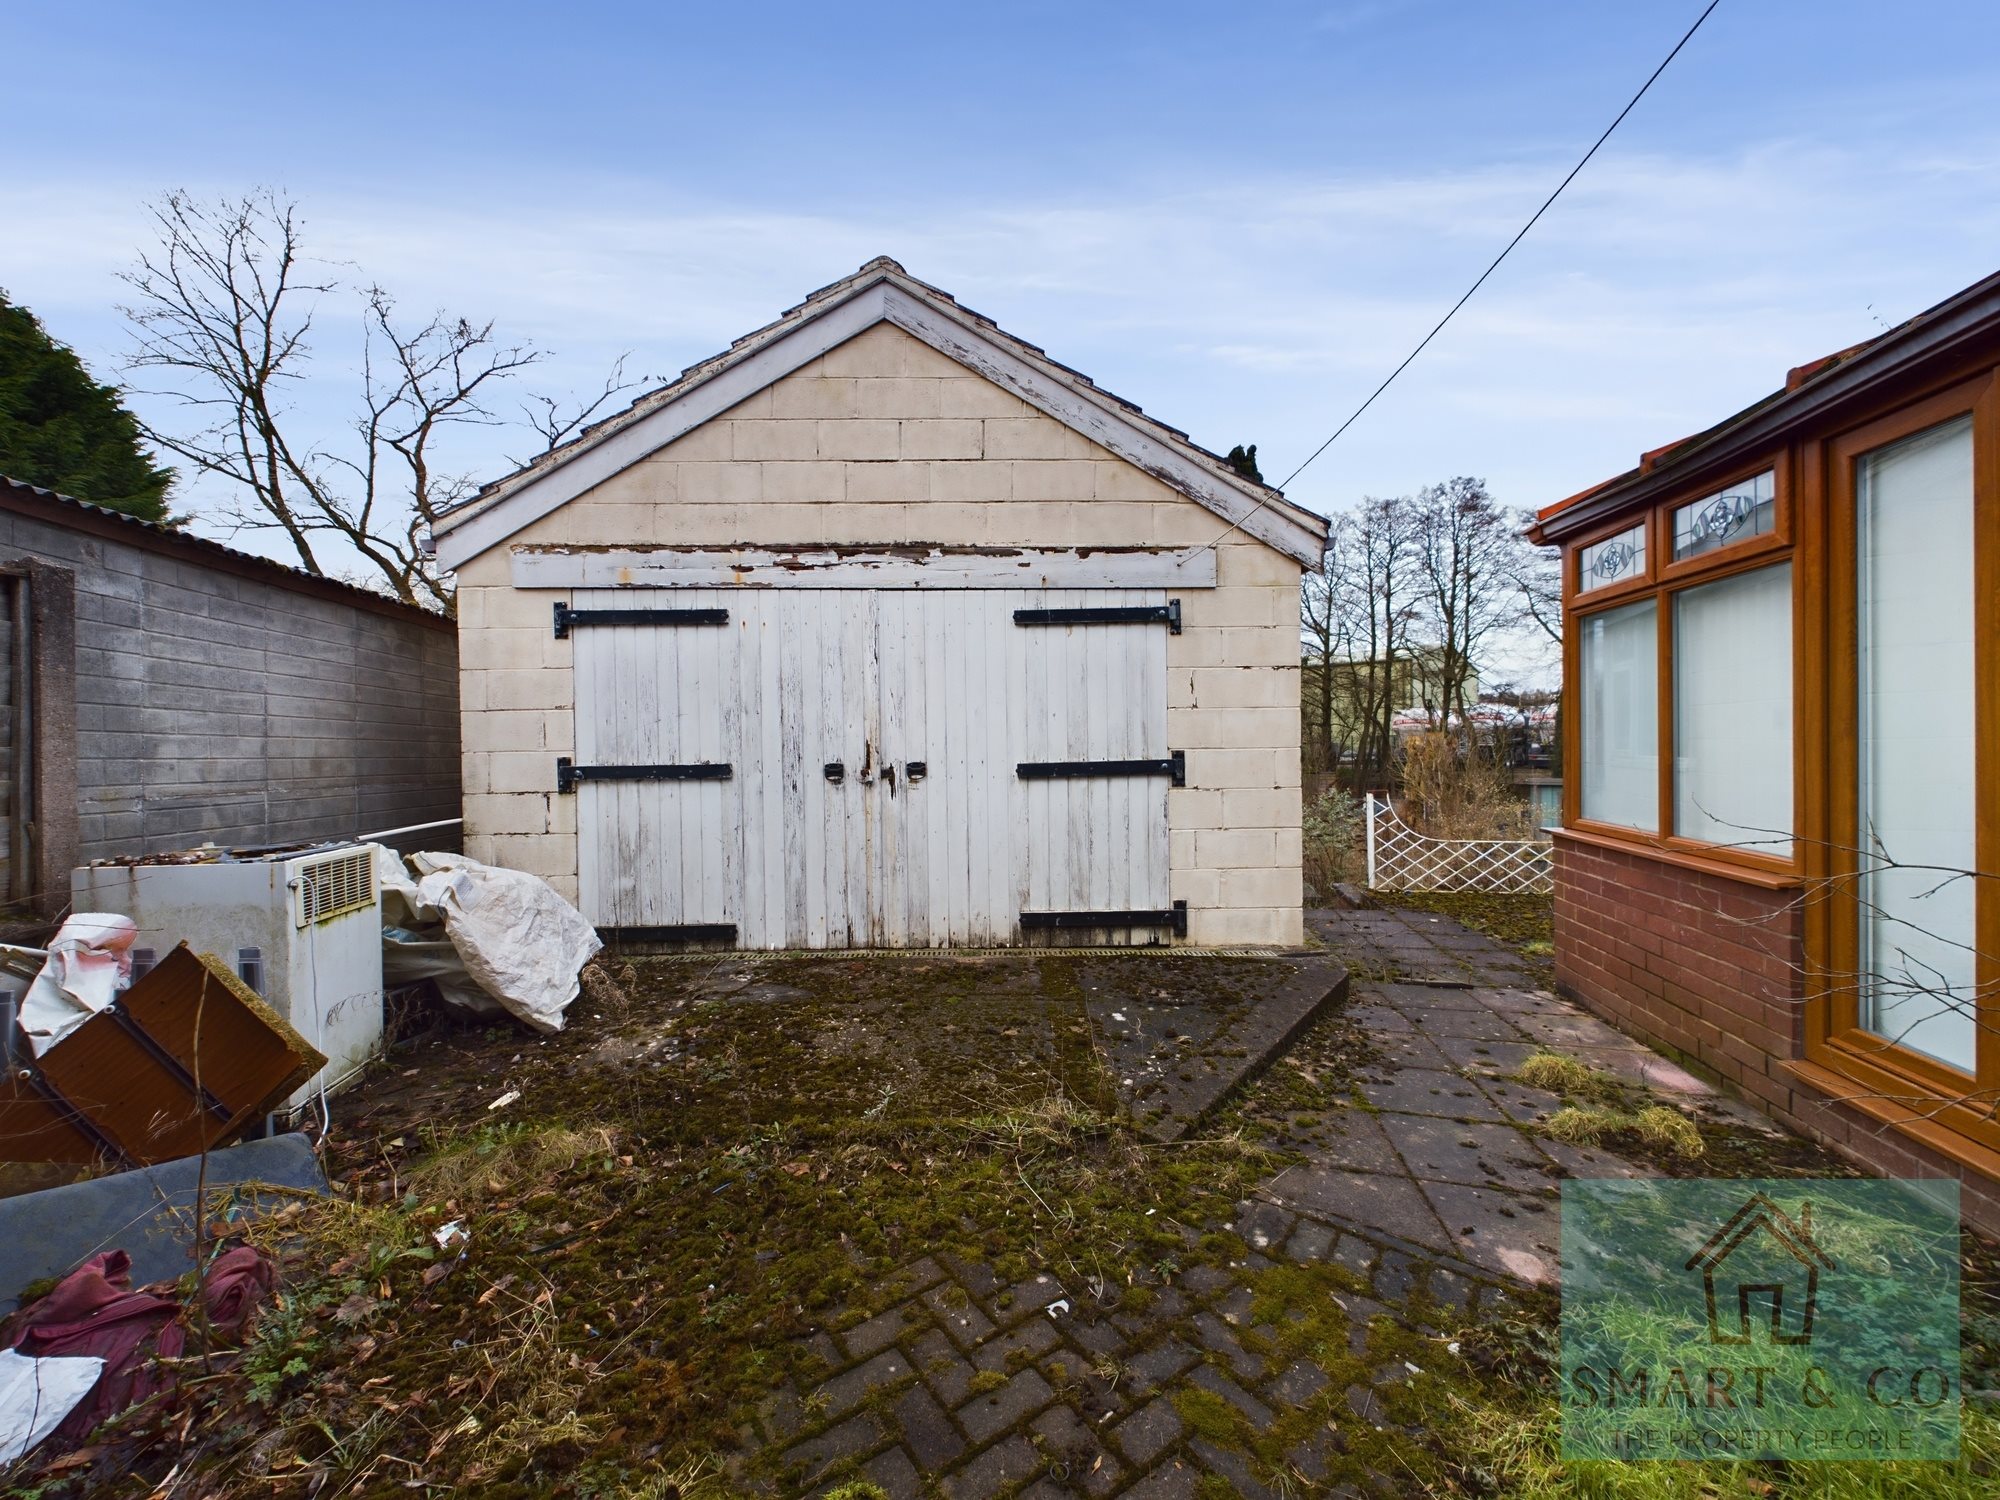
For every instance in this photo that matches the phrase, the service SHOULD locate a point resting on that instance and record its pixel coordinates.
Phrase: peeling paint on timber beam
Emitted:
(906, 565)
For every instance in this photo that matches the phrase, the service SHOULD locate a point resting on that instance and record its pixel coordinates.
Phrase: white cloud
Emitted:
(1660, 294)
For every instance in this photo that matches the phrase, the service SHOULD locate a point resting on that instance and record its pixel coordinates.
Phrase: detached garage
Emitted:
(883, 629)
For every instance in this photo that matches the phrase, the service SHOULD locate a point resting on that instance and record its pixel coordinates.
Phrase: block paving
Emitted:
(1432, 1191)
(970, 1389)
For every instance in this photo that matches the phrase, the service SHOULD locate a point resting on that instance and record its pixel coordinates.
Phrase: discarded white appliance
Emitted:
(89, 961)
(491, 939)
(301, 925)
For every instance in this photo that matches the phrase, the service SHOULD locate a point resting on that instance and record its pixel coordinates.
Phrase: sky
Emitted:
(1240, 216)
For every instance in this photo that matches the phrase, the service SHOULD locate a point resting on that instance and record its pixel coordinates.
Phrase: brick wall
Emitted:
(211, 704)
(1711, 969)
(883, 440)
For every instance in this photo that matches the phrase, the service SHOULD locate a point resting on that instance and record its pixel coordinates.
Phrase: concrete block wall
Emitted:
(214, 704)
(1712, 969)
(884, 440)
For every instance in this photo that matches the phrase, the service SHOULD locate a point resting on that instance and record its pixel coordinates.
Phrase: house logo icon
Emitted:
(1762, 1237)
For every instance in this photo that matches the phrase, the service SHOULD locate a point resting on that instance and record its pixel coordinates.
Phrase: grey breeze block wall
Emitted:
(220, 697)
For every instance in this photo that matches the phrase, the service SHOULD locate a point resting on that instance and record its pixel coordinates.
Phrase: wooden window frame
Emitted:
(1664, 581)
(1576, 594)
(1898, 1080)
(1777, 539)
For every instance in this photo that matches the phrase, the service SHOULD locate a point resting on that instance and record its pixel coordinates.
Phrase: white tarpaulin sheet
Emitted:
(492, 939)
(90, 961)
(36, 1394)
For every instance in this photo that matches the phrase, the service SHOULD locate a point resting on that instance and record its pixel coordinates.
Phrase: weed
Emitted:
(1561, 1074)
(1663, 1129)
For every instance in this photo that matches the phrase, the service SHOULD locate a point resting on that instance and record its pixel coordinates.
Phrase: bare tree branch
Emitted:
(223, 309)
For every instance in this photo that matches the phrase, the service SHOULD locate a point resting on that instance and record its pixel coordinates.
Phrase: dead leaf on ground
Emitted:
(496, 1289)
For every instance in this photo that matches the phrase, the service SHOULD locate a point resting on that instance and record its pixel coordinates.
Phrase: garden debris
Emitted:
(95, 1312)
(36, 1394)
(183, 1061)
(504, 1100)
(492, 940)
(89, 961)
(149, 1213)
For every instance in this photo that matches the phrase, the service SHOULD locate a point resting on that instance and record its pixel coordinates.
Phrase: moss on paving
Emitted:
(1525, 922)
(688, 1189)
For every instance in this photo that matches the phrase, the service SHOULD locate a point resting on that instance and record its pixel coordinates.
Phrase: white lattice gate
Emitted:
(1401, 859)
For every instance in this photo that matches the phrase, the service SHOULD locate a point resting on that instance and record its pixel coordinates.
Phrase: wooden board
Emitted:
(863, 568)
(131, 1073)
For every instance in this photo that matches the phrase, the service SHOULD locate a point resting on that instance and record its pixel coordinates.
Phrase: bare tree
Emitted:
(1467, 550)
(1326, 635)
(1536, 577)
(1356, 617)
(223, 308)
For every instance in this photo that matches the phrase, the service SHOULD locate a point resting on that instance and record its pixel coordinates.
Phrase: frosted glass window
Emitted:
(1733, 711)
(1620, 707)
(1613, 560)
(1726, 517)
(1913, 503)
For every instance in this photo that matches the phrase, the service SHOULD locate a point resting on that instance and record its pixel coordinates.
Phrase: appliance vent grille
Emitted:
(336, 884)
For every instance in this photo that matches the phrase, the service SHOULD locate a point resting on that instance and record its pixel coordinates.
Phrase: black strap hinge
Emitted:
(568, 619)
(569, 774)
(1175, 917)
(1173, 765)
(1168, 614)
(683, 932)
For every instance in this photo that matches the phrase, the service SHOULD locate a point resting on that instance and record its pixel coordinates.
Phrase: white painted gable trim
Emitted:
(461, 540)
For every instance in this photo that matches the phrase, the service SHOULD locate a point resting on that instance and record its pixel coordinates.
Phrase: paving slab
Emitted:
(1511, 1233)
(1183, 1034)
(1427, 1184)
(1356, 1142)
(1428, 1091)
(1472, 1152)
(1393, 1204)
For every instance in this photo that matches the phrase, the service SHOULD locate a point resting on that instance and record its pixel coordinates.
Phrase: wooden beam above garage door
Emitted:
(866, 568)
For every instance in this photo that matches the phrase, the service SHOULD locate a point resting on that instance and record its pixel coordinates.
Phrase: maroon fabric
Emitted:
(94, 1310)
(236, 1283)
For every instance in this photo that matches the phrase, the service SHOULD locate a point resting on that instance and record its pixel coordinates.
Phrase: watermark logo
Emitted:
(1794, 1237)
(1772, 1319)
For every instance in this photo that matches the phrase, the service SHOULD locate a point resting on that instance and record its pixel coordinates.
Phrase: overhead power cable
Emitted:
(1573, 171)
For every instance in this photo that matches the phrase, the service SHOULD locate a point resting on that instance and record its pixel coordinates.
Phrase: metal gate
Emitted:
(828, 768)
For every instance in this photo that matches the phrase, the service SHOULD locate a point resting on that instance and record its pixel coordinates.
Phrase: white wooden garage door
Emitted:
(830, 768)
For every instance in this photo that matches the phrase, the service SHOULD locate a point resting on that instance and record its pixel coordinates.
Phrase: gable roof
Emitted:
(881, 291)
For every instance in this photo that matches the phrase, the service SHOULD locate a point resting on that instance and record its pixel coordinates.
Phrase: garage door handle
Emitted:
(915, 770)
(836, 772)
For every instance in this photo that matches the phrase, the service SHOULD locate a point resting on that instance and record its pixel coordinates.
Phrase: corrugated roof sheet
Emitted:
(173, 538)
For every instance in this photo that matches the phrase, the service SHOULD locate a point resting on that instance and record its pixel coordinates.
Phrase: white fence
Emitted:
(1401, 859)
